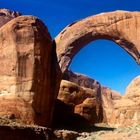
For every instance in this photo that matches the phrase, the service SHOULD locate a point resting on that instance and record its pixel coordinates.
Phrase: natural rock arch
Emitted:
(122, 27)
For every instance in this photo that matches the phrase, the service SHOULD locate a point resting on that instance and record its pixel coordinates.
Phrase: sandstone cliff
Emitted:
(27, 70)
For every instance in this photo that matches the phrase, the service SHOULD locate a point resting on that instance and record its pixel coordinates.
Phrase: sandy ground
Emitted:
(130, 133)
(100, 133)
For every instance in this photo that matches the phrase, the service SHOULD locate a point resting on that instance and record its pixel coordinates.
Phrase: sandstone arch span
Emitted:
(122, 27)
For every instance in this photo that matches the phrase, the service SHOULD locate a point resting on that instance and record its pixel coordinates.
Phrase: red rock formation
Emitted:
(91, 109)
(16, 109)
(7, 15)
(84, 94)
(27, 67)
(89, 99)
(127, 109)
(122, 27)
(133, 89)
(108, 99)
(73, 94)
(22, 132)
(81, 80)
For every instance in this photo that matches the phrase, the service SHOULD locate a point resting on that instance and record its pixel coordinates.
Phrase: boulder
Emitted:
(91, 110)
(71, 93)
(66, 135)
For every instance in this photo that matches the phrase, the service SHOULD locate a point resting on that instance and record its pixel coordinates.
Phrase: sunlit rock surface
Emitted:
(25, 70)
(122, 27)
(127, 109)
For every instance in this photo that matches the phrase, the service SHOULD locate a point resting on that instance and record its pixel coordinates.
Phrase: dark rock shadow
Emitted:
(64, 118)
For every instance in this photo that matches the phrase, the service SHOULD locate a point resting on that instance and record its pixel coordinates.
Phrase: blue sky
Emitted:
(102, 60)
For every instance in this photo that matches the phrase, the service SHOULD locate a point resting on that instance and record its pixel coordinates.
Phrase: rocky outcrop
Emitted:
(91, 109)
(111, 108)
(7, 15)
(66, 135)
(117, 110)
(133, 89)
(90, 100)
(22, 132)
(127, 109)
(126, 113)
(83, 94)
(87, 98)
(121, 27)
(73, 94)
(82, 80)
(27, 68)
(109, 97)
(86, 102)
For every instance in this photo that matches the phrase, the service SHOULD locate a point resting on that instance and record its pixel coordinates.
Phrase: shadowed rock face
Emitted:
(7, 15)
(89, 99)
(84, 102)
(23, 132)
(122, 27)
(111, 108)
(83, 95)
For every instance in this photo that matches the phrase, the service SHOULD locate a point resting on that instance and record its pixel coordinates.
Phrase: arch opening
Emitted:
(106, 62)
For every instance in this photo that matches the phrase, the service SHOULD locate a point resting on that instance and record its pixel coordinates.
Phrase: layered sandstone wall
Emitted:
(27, 71)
